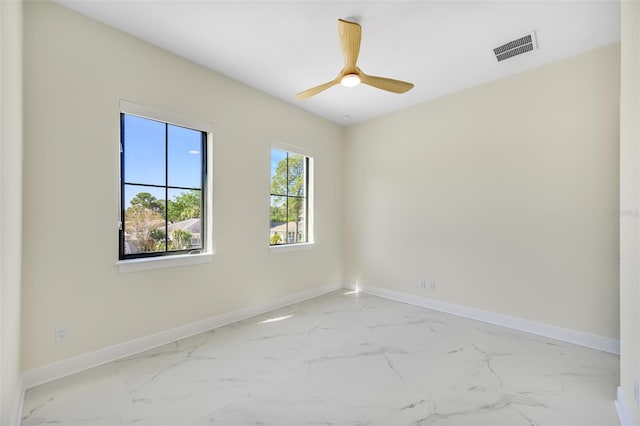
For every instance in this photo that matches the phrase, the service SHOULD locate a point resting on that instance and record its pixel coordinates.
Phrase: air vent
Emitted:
(516, 47)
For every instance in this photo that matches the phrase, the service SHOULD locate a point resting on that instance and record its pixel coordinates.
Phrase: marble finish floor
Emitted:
(342, 359)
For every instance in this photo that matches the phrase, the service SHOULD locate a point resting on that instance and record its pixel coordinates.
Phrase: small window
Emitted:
(162, 185)
(290, 210)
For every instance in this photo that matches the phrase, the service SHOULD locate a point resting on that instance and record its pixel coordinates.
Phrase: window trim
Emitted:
(283, 248)
(159, 262)
(169, 260)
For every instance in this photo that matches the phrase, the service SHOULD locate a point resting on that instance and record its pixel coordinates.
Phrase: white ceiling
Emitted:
(284, 47)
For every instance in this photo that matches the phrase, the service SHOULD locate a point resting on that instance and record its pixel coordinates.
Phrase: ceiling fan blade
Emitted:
(388, 84)
(315, 90)
(350, 35)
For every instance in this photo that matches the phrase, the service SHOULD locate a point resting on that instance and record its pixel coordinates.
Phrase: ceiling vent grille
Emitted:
(516, 47)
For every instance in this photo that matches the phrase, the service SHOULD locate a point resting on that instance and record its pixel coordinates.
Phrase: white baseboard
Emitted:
(564, 334)
(623, 411)
(83, 362)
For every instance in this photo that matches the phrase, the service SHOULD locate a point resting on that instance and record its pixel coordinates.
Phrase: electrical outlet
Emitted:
(432, 286)
(422, 284)
(61, 334)
(636, 393)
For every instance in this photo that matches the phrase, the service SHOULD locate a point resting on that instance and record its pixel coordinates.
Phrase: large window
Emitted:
(162, 185)
(290, 208)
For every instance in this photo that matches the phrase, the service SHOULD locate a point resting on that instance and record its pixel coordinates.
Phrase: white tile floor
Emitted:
(342, 359)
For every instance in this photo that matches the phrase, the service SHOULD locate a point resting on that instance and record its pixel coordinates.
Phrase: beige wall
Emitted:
(505, 195)
(76, 72)
(630, 204)
(10, 206)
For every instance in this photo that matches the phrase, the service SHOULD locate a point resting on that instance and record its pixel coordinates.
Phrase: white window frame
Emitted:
(310, 243)
(207, 252)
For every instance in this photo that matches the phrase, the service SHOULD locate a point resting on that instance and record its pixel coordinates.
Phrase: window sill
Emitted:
(285, 248)
(149, 263)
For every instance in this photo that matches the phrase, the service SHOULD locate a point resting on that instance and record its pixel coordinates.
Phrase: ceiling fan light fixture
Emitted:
(350, 80)
(350, 34)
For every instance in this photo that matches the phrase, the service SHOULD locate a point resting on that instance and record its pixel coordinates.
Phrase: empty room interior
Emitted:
(319, 213)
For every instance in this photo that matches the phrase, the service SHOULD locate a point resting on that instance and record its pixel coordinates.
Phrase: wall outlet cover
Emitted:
(60, 334)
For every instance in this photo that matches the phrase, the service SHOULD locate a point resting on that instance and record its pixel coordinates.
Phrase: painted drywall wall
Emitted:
(76, 73)
(505, 195)
(630, 205)
(10, 207)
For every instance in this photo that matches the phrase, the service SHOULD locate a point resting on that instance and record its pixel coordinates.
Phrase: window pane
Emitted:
(288, 198)
(278, 226)
(144, 223)
(162, 188)
(278, 172)
(144, 151)
(296, 226)
(185, 157)
(185, 219)
(296, 178)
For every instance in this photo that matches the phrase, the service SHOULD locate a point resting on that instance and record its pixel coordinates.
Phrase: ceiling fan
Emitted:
(351, 75)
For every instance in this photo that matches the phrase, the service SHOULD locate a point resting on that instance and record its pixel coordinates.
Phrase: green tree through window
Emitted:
(163, 174)
(289, 198)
